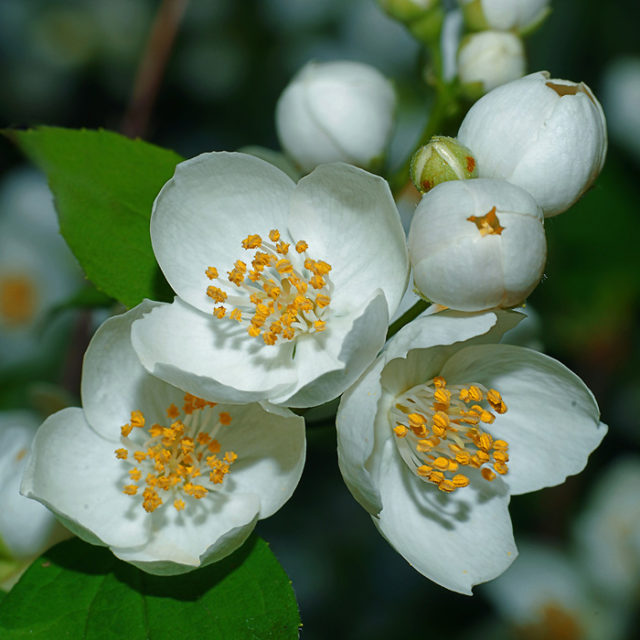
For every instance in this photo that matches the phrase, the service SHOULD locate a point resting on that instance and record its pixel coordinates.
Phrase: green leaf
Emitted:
(104, 185)
(81, 592)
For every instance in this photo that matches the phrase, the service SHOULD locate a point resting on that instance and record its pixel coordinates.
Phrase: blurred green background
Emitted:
(74, 63)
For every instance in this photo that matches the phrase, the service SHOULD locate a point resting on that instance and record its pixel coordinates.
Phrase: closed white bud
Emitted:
(336, 111)
(489, 59)
(440, 160)
(547, 136)
(477, 244)
(506, 15)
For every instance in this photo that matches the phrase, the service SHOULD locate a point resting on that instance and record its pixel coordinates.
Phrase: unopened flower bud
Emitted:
(477, 244)
(506, 15)
(440, 160)
(407, 10)
(490, 58)
(336, 111)
(547, 136)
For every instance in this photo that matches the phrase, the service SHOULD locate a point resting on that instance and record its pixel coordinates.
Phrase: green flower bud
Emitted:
(423, 18)
(441, 160)
(407, 10)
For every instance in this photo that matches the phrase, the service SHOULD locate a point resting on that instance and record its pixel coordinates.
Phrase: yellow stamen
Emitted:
(170, 458)
(439, 430)
(18, 299)
(289, 295)
(488, 224)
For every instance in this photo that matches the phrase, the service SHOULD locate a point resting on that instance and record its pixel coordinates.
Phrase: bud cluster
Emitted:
(493, 52)
(536, 145)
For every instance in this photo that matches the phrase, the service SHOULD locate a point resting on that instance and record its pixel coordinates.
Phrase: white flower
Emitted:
(168, 481)
(477, 244)
(37, 269)
(336, 111)
(284, 290)
(443, 428)
(491, 58)
(517, 15)
(545, 594)
(621, 96)
(608, 532)
(547, 136)
(26, 527)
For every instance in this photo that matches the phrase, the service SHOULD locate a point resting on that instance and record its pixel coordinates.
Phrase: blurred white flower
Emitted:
(621, 97)
(26, 527)
(445, 426)
(37, 269)
(336, 111)
(547, 136)
(490, 59)
(168, 481)
(477, 244)
(545, 595)
(608, 532)
(516, 15)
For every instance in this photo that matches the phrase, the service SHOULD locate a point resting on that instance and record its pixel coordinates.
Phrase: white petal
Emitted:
(552, 420)
(448, 328)
(203, 213)
(74, 472)
(270, 446)
(457, 540)
(211, 358)
(350, 220)
(354, 423)
(114, 383)
(182, 542)
(329, 362)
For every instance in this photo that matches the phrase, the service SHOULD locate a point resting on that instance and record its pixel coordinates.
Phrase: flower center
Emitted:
(488, 224)
(555, 623)
(18, 299)
(438, 431)
(172, 458)
(282, 295)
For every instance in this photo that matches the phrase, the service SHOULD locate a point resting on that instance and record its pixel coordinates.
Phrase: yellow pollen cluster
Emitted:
(18, 299)
(438, 431)
(281, 294)
(177, 458)
(488, 224)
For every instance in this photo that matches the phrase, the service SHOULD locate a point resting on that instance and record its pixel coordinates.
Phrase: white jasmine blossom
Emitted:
(545, 594)
(284, 290)
(37, 270)
(545, 135)
(608, 532)
(477, 244)
(445, 426)
(336, 111)
(168, 481)
(490, 59)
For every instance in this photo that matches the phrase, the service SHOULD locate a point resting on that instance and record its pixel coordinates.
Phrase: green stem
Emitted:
(407, 316)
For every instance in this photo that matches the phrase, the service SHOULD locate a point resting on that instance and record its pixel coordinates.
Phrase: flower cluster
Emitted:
(285, 296)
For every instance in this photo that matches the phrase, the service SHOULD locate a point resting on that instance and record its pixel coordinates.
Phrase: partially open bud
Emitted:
(488, 59)
(440, 160)
(336, 111)
(477, 244)
(547, 136)
(506, 15)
